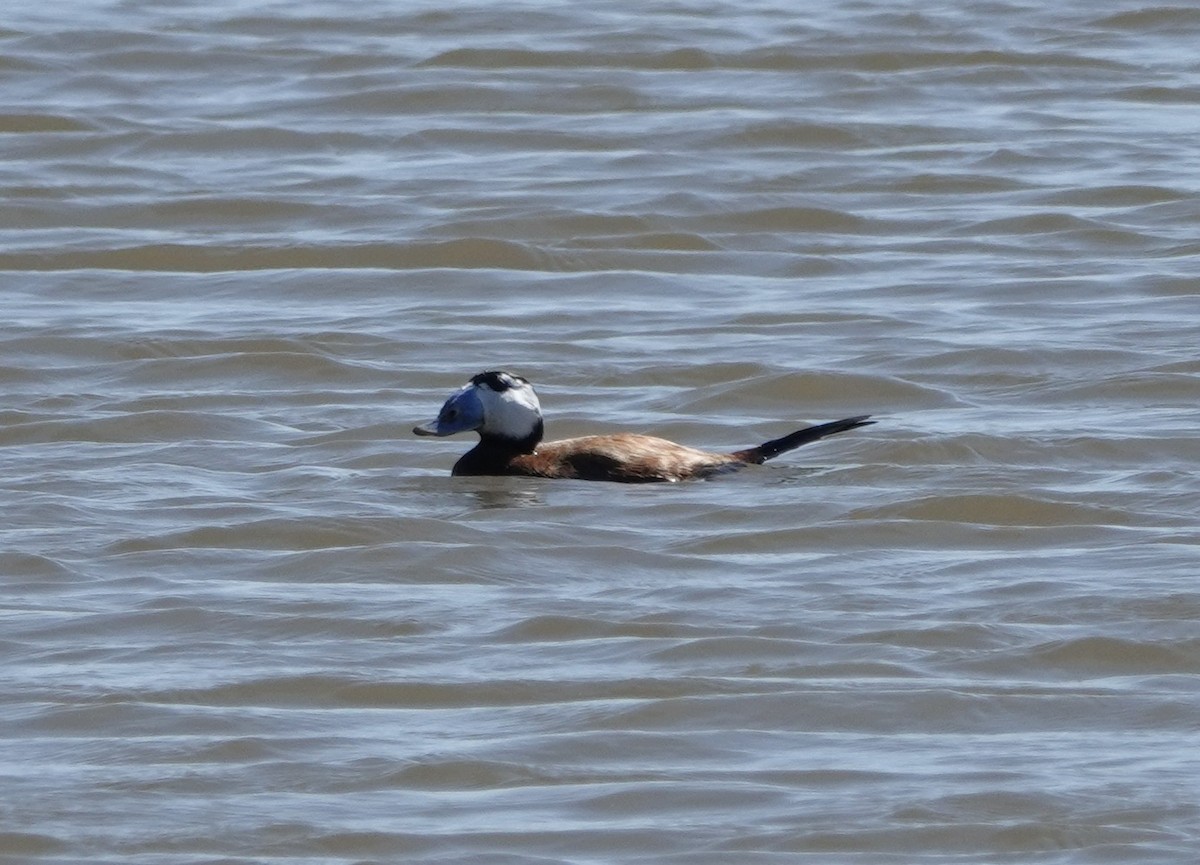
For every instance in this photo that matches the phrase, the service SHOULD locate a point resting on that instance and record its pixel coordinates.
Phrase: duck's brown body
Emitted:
(622, 457)
(505, 412)
(626, 457)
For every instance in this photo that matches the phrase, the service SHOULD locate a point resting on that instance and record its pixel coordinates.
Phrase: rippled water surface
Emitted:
(247, 617)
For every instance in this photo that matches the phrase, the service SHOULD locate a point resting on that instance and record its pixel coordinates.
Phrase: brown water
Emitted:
(247, 617)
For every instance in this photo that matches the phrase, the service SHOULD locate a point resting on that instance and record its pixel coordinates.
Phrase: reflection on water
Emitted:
(510, 493)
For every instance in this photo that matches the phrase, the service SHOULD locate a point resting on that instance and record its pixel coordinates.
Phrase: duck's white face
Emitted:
(494, 403)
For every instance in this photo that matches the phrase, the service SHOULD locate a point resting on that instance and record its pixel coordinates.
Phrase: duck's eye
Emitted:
(450, 414)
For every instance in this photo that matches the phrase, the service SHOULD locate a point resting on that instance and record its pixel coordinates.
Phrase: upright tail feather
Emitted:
(775, 447)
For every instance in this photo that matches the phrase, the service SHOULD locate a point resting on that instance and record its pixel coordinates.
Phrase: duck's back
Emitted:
(625, 457)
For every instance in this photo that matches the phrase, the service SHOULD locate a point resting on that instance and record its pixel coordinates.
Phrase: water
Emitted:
(247, 617)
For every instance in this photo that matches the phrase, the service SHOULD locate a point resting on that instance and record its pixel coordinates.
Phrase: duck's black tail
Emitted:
(775, 447)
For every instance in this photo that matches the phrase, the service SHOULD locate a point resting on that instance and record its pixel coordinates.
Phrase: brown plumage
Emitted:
(623, 457)
(504, 410)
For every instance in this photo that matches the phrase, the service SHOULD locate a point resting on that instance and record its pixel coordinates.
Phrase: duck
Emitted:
(504, 409)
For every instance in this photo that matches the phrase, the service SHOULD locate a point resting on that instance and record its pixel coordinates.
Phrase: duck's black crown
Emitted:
(497, 380)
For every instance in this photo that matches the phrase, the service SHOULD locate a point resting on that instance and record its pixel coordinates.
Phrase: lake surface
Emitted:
(248, 617)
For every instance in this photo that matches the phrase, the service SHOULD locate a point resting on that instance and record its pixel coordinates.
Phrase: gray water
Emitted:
(248, 617)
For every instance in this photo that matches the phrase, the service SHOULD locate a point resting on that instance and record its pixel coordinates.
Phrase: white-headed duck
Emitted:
(505, 411)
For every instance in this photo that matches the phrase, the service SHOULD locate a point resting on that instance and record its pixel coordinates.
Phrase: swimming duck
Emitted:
(505, 411)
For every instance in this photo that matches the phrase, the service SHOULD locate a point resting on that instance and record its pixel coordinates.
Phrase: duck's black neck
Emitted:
(493, 452)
